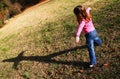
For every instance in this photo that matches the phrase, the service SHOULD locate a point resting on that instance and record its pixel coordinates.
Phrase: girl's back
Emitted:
(84, 20)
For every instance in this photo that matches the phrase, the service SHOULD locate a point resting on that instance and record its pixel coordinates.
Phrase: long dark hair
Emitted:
(81, 14)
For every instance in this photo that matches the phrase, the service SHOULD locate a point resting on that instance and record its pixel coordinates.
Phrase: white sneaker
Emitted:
(91, 66)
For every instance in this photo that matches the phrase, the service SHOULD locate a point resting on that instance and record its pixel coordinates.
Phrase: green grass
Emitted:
(56, 37)
(1, 23)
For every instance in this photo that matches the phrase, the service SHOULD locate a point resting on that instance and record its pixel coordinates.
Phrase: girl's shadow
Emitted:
(48, 58)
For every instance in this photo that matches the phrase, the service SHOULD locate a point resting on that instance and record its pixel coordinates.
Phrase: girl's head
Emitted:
(81, 13)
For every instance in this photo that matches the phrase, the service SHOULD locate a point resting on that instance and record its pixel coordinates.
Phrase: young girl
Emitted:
(85, 23)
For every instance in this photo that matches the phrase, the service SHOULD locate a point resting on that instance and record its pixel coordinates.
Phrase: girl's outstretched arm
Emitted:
(80, 27)
(88, 11)
(79, 30)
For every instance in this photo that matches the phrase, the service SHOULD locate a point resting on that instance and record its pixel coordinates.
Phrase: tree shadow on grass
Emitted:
(48, 58)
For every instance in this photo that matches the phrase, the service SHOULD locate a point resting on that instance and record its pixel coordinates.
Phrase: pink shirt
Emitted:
(85, 26)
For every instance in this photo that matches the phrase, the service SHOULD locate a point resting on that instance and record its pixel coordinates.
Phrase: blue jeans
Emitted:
(92, 39)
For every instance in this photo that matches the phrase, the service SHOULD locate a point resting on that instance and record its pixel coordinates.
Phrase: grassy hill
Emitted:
(39, 43)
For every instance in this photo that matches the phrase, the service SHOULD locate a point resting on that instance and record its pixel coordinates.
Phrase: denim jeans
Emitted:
(92, 39)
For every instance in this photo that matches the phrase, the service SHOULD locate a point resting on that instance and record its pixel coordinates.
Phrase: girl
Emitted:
(85, 23)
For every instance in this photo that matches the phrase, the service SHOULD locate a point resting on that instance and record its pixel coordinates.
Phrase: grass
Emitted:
(1, 23)
(48, 51)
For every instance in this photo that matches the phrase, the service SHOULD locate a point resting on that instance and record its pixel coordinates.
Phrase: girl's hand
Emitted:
(77, 39)
(89, 8)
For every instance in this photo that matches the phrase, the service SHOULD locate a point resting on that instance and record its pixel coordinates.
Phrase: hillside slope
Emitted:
(29, 17)
(39, 42)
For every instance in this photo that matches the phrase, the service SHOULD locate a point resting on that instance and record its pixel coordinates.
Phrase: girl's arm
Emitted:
(88, 10)
(79, 31)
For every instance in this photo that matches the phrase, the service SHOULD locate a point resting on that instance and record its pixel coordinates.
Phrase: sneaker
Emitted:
(91, 66)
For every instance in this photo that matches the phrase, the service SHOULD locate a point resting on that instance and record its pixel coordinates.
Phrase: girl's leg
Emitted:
(97, 41)
(90, 46)
(92, 38)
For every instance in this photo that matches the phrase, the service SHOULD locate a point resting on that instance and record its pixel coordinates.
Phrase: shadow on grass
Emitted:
(48, 58)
